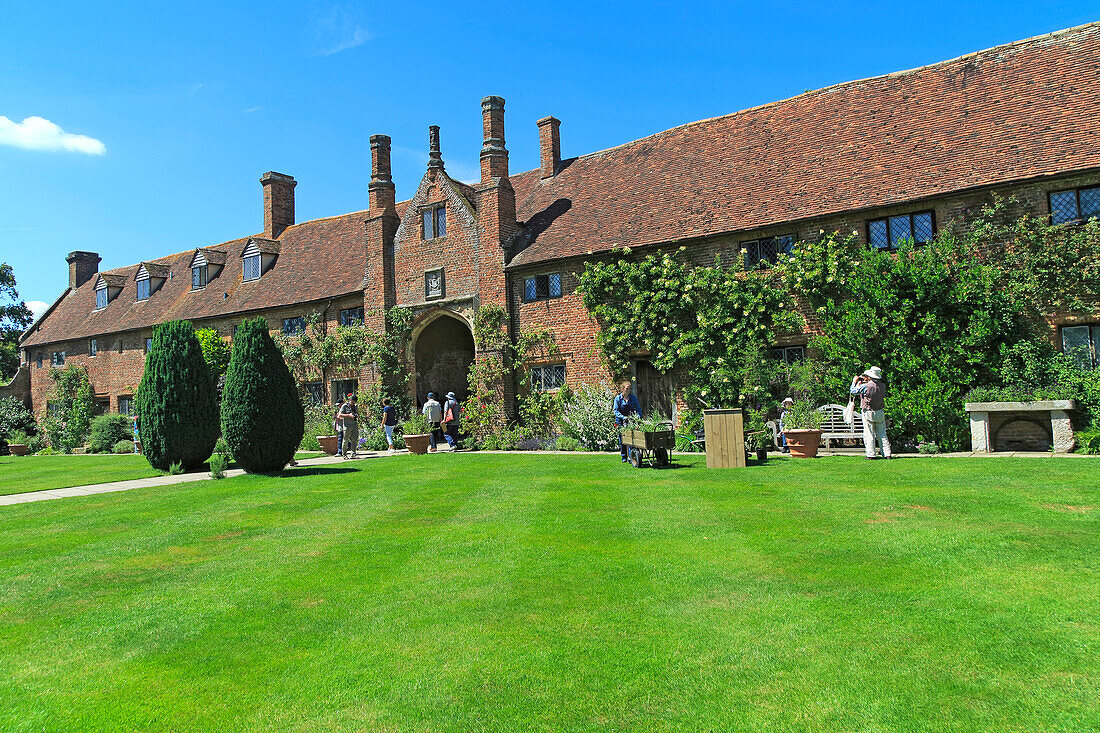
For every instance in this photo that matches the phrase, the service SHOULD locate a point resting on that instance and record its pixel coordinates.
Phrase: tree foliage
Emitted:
(69, 409)
(262, 416)
(15, 317)
(176, 400)
(215, 351)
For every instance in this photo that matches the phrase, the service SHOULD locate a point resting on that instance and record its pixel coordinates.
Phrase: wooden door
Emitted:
(654, 389)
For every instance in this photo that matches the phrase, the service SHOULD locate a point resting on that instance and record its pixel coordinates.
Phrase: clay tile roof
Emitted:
(155, 269)
(1018, 111)
(319, 259)
(265, 246)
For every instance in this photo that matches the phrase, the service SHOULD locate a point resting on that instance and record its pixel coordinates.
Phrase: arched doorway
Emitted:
(442, 353)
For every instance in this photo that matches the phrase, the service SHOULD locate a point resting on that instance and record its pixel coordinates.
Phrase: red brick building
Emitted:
(888, 158)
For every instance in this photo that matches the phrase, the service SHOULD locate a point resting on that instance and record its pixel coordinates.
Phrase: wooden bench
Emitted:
(833, 426)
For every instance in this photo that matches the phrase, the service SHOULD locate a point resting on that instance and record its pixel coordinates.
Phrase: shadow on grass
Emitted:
(316, 471)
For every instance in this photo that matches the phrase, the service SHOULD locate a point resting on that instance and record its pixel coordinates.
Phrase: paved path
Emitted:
(166, 480)
(184, 478)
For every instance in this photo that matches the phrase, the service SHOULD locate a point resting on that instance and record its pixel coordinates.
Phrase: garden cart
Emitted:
(652, 445)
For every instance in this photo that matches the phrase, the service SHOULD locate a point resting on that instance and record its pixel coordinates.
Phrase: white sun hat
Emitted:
(874, 373)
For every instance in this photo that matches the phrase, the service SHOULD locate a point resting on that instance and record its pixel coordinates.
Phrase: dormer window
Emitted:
(258, 257)
(435, 222)
(107, 288)
(150, 276)
(205, 266)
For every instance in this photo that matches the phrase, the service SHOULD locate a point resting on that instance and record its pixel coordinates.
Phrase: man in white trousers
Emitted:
(872, 396)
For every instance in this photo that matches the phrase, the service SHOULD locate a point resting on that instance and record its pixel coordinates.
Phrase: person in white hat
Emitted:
(787, 404)
(872, 395)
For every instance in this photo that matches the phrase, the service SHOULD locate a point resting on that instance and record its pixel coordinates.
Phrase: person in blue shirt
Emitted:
(626, 405)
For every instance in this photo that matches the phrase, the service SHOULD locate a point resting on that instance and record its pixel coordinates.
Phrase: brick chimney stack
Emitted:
(494, 157)
(381, 189)
(83, 266)
(278, 203)
(435, 158)
(549, 146)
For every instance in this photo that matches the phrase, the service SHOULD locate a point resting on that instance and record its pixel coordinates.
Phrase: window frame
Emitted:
(255, 259)
(538, 383)
(891, 245)
(345, 320)
(38, 360)
(57, 359)
(101, 294)
(148, 344)
(774, 260)
(429, 215)
(203, 271)
(1092, 332)
(783, 353)
(339, 397)
(93, 347)
(315, 391)
(1080, 217)
(294, 326)
(129, 402)
(549, 293)
(144, 284)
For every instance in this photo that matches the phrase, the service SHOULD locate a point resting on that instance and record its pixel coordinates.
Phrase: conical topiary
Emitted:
(262, 418)
(176, 404)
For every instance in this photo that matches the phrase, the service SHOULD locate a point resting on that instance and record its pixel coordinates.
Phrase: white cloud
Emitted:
(37, 308)
(37, 133)
(338, 28)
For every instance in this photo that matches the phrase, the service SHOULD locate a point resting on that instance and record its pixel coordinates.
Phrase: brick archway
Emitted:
(442, 350)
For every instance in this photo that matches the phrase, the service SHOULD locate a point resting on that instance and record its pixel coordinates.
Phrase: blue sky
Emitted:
(183, 105)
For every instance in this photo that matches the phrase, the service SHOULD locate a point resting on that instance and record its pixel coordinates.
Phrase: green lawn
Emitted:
(499, 592)
(36, 473)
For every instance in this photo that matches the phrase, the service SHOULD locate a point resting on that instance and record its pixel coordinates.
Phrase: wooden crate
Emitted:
(725, 435)
(657, 439)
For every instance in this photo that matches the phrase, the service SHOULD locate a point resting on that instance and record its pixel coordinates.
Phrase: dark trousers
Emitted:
(452, 435)
(436, 434)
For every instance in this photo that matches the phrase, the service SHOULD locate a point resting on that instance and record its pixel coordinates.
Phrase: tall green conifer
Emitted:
(262, 417)
(177, 407)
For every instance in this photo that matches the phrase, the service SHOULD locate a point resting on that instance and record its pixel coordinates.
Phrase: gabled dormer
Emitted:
(206, 264)
(258, 257)
(149, 279)
(107, 287)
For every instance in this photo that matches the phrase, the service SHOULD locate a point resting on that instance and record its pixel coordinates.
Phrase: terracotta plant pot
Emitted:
(329, 443)
(803, 443)
(17, 449)
(418, 444)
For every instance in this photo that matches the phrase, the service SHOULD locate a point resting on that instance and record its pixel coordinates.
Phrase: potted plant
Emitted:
(802, 429)
(417, 433)
(329, 443)
(18, 443)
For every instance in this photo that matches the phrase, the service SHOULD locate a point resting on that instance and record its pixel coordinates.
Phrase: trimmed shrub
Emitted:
(107, 431)
(176, 468)
(176, 403)
(123, 446)
(218, 463)
(262, 417)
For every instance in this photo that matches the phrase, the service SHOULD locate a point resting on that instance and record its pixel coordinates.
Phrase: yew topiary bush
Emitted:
(176, 403)
(262, 416)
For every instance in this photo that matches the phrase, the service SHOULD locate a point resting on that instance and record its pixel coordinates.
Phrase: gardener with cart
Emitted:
(626, 405)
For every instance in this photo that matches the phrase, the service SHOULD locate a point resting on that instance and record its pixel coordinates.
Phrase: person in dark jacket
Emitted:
(626, 405)
(871, 390)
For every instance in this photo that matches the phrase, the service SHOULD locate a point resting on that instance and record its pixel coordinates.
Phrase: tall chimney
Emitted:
(435, 158)
(381, 190)
(82, 267)
(549, 146)
(278, 203)
(494, 157)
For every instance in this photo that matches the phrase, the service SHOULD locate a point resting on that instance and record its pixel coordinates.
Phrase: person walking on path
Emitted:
(338, 428)
(452, 412)
(626, 405)
(434, 412)
(389, 421)
(349, 415)
(872, 395)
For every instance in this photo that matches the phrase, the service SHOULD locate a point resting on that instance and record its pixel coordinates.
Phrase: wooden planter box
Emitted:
(649, 441)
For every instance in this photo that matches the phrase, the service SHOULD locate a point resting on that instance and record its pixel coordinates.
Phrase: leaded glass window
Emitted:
(1082, 344)
(57, 359)
(198, 277)
(1075, 205)
(763, 252)
(441, 221)
(294, 326)
(351, 316)
(788, 354)
(1090, 202)
(142, 289)
(93, 347)
(892, 232)
(429, 224)
(434, 222)
(540, 287)
(548, 377)
(252, 267)
(101, 298)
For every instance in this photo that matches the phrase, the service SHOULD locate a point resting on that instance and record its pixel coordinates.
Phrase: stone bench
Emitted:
(1028, 426)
